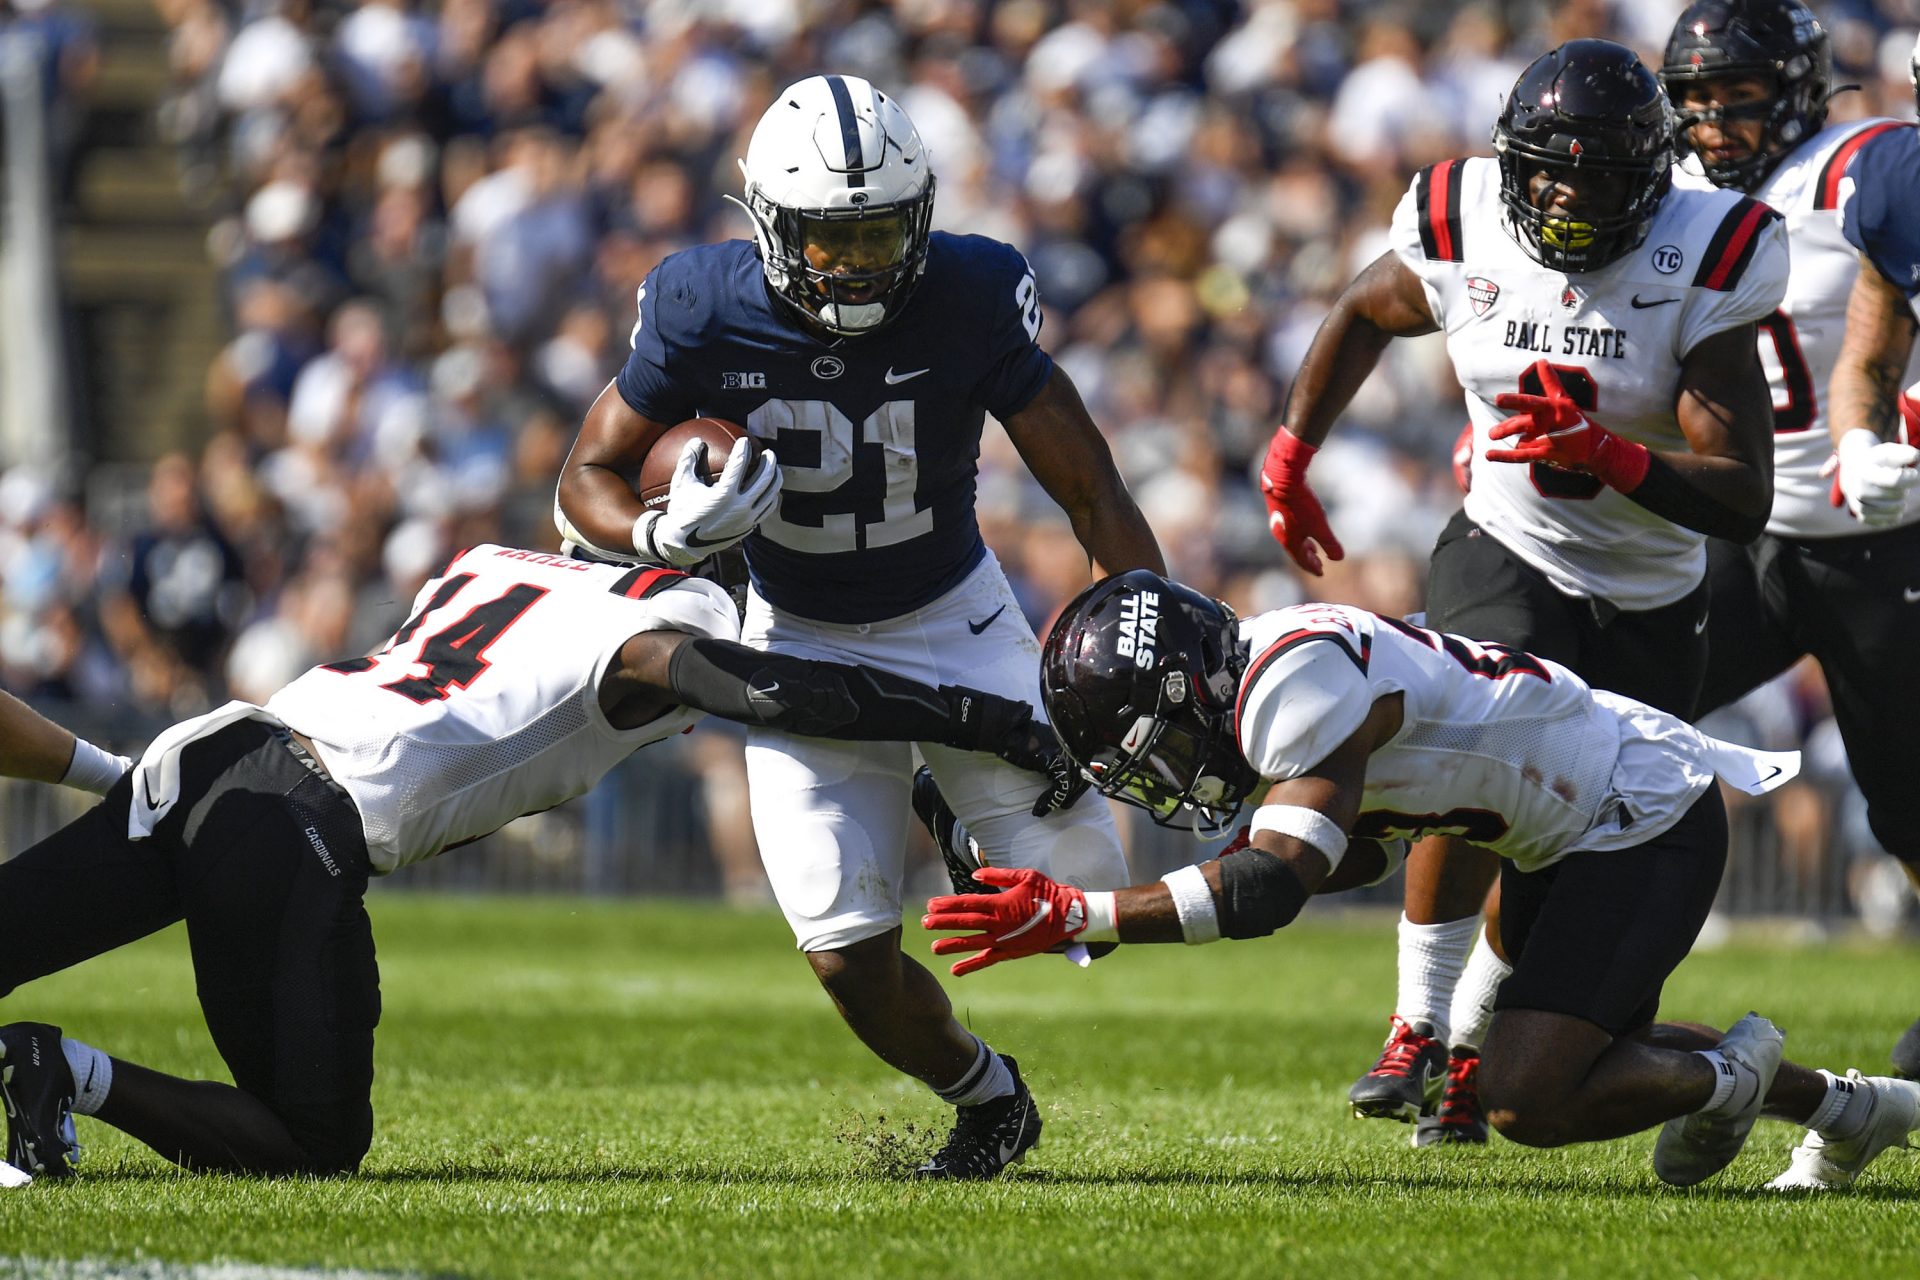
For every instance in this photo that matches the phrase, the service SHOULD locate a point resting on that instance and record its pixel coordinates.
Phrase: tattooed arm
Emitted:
(1865, 391)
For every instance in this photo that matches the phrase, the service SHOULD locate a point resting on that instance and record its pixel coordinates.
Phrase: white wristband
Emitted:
(93, 769)
(642, 537)
(1103, 924)
(1308, 826)
(1193, 901)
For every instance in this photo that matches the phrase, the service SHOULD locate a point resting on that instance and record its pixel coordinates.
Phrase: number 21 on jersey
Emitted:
(850, 517)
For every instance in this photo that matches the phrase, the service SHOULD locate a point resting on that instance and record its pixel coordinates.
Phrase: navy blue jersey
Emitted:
(1878, 218)
(878, 436)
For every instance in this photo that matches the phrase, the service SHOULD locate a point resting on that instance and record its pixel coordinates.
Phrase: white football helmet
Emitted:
(841, 197)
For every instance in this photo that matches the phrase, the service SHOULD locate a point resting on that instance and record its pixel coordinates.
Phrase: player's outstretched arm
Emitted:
(1067, 454)
(1299, 842)
(659, 669)
(35, 748)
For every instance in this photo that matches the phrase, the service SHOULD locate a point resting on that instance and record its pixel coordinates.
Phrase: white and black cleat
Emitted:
(37, 1088)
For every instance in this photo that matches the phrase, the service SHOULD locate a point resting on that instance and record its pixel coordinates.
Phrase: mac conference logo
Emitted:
(828, 368)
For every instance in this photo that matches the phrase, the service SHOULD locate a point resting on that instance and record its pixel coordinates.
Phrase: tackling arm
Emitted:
(661, 669)
(1067, 454)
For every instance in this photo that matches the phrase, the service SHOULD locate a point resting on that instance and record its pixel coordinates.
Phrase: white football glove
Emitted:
(1875, 478)
(702, 518)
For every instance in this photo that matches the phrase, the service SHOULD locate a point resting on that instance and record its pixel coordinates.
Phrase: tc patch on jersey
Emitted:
(1668, 259)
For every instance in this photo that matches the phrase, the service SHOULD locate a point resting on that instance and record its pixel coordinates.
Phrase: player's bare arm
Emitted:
(1067, 454)
(35, 748)
(595, 495)
(1867, 377)
(1384, 302)
(1726, 412)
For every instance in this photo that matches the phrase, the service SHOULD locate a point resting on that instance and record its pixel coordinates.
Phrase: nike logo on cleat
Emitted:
(978, 627)
(1641, 304)
(895, 379)
(1700, 626)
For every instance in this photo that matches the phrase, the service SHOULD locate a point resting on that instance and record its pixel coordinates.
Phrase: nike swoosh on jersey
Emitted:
(1639, 305)
(978, 627)
(895, 379)
(1041, 911)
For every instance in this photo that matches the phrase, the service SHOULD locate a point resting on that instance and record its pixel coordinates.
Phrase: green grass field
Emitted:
(606, 1089)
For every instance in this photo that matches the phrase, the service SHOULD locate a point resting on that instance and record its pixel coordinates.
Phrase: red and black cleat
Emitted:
(1459, 1118)
(1407, 1079)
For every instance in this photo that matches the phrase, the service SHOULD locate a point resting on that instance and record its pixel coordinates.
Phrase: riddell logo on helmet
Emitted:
(1139, 616)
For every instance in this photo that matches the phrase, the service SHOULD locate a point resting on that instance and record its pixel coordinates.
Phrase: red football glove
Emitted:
(1463, 459)
(1554, 430)
(1293, 513)
(1033, 914)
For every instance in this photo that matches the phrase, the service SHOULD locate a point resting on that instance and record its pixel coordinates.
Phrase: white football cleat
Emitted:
(1692, 1148)
(1822, 1165)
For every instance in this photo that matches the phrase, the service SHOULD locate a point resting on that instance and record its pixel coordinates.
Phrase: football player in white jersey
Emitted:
(1837, 572)
(1364, 731)
(867, 350)
(1569, 281)
(520, 678)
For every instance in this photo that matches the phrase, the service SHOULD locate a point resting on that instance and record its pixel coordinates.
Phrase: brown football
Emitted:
(656, 469)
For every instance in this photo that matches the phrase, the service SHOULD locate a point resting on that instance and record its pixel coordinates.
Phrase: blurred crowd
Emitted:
(431, 221)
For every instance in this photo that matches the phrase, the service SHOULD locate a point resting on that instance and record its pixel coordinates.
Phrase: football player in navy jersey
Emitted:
(865, 349)
(1875, 428)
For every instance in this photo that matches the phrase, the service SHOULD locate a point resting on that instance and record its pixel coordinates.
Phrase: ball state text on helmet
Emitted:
(1139, 616)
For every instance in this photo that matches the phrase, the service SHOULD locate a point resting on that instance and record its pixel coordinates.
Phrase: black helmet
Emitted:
(1590, 106)
(1779, 41)
(1139, 677)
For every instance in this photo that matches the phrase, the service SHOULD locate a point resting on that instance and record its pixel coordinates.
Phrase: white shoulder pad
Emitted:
(695, 606)
(1428, 230)
(1303, 696)
(1737, 265)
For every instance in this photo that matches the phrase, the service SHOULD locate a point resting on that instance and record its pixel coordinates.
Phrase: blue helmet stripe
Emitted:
(849, 131)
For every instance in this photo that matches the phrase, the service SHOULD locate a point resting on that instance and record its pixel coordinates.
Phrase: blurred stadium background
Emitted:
(296, 296)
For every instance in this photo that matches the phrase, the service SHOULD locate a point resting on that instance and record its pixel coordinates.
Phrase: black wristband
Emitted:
(1665, 492)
